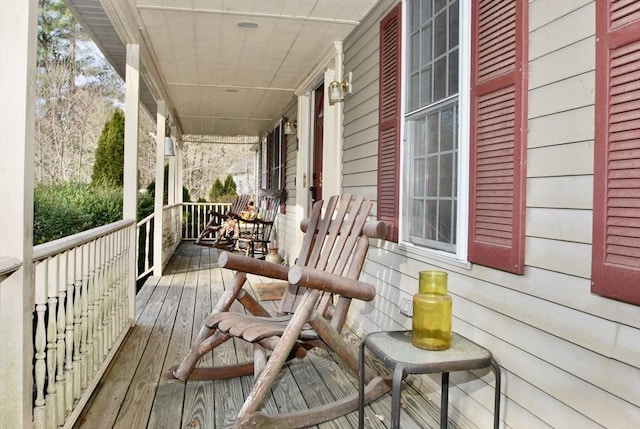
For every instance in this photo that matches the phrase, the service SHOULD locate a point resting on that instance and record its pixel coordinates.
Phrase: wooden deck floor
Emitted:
(135, 394)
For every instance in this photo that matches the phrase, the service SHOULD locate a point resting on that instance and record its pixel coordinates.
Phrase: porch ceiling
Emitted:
(217, 77)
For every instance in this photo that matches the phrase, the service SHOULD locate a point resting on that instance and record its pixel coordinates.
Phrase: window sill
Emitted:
(433, 256)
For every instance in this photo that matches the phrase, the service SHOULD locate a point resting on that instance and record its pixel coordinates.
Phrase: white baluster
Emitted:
(91, 368)
(84, 308)
(40, 341)
(68, 365)
(99, 299)
(52, 292)
(77, 329)
(60, 348)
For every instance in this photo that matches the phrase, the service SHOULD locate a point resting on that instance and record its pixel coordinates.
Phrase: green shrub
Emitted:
(63, 209)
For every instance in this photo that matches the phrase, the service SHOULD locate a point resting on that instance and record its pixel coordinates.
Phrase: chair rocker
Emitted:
(311, 314)
(217, 220)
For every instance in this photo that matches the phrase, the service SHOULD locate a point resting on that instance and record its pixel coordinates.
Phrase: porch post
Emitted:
(161, 120)
(171, 198)
(333, 123)
(130, 191)
(179, 183)
(18, 29)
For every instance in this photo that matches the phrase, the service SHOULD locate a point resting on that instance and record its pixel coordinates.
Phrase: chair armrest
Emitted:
(259, 267)
(324, 281)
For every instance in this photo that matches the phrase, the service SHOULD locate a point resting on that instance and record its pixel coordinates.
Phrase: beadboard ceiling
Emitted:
(219, 77)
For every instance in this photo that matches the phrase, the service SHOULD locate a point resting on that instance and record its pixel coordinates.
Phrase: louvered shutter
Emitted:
(389, 121)
(616, 213)
(498, 134)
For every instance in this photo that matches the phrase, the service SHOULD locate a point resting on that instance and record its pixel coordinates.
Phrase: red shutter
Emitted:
(498, 134)
(616, 212)
(389, 121)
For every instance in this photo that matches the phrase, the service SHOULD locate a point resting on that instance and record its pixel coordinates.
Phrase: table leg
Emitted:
(496, 405)
(395, 396)
(444, 401)
(361, 386)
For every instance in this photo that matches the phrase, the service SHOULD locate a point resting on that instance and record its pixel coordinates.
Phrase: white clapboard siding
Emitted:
(563, 63)
(566, 192)
(542, 12)
(560, 256)
(559, 224)
(564, 95)
(552, 130)
(573, 25)
(361, 107)
(562, 160)
(570, 358)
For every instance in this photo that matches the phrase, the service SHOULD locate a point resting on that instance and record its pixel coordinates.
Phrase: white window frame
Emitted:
(464, 73)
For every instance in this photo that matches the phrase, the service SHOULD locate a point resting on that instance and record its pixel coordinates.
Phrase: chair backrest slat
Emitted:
(329, 244)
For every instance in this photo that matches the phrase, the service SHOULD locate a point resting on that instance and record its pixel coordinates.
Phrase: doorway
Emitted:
(317, 149)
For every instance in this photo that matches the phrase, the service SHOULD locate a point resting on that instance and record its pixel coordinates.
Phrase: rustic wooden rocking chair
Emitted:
(255, 232)
(311, 313)
(217, 220)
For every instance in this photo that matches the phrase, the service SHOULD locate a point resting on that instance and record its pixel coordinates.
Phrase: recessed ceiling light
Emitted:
(231, 90)
(247, 24)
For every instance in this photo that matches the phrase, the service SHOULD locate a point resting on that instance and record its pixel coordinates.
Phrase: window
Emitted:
(616, 214)
(463, 157)
(431, 155)
(273, 159)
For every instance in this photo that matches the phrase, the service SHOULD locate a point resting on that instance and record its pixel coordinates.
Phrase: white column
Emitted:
(179, 169)
(172, 191)
(179, 178)
(130, 191)
(18, 29)
(158, 202)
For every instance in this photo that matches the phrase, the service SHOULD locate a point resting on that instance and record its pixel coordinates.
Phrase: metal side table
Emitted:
(395, 350)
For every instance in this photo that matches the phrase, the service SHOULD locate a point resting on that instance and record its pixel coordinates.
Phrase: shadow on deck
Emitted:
(134, 392)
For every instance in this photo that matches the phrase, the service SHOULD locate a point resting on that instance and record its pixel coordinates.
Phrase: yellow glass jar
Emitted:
(432, 312)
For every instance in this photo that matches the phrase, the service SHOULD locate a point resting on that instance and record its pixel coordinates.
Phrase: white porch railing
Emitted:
(80, 317)
(144, 233)
(196, 216)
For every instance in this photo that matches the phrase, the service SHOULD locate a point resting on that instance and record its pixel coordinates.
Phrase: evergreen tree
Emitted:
(229, 185)
(217, 190)
(108, 168)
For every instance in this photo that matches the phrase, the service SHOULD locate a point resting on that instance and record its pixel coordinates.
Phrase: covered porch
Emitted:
(134, 391)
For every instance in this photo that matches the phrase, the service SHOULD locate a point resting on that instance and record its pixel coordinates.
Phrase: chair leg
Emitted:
(207, 338)
(263, 384)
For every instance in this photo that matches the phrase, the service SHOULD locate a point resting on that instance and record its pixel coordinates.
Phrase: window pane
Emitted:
(425, 87)
(440, 36)
(444, 222)
(440, 79)
(448, 129)
(453, 26)
(453, 72)
(432, 176)
(426, 47)
(430, 191)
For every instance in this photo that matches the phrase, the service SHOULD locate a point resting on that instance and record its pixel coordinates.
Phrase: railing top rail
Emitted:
(8, 265)
(54, 247)
(146, 219)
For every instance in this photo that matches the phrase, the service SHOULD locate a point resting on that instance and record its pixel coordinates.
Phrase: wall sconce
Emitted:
(290, 127)
(168, 143)
(337, 91)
